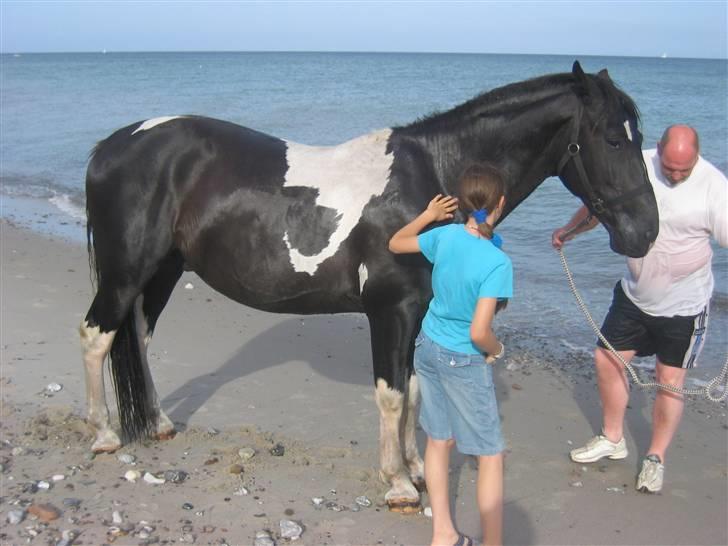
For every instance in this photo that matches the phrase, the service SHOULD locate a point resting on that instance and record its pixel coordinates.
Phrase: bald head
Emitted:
(678, 148)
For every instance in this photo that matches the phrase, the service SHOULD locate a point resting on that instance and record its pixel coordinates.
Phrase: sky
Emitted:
(694, 28)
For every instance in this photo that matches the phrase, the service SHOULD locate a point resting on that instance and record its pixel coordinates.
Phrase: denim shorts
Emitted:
(458, 398)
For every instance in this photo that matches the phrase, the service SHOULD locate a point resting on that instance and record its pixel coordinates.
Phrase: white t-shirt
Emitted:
(676, 277)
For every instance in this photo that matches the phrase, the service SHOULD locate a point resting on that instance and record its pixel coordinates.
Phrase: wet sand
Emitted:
(232, 377)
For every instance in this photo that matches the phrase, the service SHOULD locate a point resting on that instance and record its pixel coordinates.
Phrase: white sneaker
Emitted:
(650, 477)
(597, 448)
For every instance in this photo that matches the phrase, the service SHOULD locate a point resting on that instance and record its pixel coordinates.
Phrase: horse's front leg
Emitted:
(96, 345)
(392, 330)
(415, 464)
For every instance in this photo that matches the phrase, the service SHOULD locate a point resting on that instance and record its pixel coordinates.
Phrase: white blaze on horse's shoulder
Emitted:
(629, 131)
(346, 176)
(153, 123)
(363, 276)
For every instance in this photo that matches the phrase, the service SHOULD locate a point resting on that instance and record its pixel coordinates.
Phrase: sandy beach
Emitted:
(232, 377)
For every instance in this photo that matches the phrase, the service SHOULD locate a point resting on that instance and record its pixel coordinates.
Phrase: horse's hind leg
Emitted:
(96, 345)
(147, 310)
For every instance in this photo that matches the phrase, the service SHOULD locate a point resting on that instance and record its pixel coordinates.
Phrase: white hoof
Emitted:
(165, 427)
(107, 441)
(403, 496)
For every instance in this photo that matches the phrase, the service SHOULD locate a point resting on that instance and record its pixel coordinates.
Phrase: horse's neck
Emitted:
(524, 143)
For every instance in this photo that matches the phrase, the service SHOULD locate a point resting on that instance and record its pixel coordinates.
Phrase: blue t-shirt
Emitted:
(466, 268)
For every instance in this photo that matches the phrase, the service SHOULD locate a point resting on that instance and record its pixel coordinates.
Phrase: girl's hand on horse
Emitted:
(442, 207)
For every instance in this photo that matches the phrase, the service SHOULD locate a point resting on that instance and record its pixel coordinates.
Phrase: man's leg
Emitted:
(613, 391)
(668, 408)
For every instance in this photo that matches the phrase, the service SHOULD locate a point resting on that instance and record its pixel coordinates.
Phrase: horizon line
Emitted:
(125, 51)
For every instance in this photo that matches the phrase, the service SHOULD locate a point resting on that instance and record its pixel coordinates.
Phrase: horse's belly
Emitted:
(268, 282)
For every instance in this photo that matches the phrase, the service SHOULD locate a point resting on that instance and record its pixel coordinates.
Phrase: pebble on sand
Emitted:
(15, 517)
(44, 512)
(246, 453)
(290, 529)
(126, 458)
(152, 479)
(175, 476)
(363, 501)
(263, 538)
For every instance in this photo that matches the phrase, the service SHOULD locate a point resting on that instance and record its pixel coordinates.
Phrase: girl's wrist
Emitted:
(492, 357)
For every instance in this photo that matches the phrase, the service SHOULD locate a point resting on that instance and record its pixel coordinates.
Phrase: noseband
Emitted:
(598, 205)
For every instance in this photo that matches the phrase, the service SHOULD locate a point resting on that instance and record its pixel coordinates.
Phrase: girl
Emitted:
(456, 345)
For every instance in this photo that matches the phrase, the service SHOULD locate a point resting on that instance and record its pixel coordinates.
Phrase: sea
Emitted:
(54, 108)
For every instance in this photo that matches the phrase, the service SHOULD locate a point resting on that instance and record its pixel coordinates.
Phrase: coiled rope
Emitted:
(720, 381)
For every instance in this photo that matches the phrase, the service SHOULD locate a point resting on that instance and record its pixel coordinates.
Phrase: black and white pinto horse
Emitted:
(284, 227)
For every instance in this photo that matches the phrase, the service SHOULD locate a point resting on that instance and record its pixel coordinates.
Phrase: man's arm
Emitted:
(581, 221)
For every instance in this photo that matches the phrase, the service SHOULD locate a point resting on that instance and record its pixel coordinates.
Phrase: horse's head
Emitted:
(603, 165)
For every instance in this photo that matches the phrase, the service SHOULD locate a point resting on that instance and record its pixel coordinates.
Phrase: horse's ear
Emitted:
(582, 85)
(604, 75)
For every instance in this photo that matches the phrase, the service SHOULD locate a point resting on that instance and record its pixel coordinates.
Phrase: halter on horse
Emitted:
(284, 227)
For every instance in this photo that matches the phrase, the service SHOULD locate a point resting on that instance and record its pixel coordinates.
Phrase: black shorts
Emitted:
(677, 341)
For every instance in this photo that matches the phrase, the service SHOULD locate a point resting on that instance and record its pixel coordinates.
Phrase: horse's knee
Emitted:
(389, 401)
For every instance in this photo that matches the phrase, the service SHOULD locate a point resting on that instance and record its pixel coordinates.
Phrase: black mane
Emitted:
(507, 99)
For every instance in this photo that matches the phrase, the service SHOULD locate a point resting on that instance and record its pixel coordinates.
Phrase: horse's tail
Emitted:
(136, 413)
(94, 272)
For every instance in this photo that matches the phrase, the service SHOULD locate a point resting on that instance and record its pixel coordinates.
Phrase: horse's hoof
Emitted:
(404, 506)
(166, 435)
(101, 447)
(98, 449)
(106, 442)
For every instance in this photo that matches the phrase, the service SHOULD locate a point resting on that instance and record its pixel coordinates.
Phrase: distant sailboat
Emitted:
(103, 51)
(663, 56)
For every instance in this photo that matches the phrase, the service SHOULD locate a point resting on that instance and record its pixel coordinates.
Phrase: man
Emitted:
(660, 306)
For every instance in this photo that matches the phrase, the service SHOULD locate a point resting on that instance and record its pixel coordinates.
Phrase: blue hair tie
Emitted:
(480, 215)
(497, 240)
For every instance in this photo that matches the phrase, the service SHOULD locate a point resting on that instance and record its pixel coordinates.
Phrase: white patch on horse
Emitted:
(142, 324)
(346, 176)
(390, 403)
(629, 131)
(363, 276)
(154, 122)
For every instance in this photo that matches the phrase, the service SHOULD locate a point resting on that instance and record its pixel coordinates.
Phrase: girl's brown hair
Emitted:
(481, 187)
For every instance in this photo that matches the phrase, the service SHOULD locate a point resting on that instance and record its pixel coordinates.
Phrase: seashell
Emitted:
(152, 479)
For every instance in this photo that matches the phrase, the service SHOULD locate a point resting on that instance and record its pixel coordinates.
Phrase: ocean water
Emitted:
(55, 107)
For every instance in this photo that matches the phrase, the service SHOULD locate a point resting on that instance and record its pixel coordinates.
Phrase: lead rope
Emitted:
(721, 380)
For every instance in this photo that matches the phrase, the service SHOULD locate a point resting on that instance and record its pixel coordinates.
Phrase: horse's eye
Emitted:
(614, 143)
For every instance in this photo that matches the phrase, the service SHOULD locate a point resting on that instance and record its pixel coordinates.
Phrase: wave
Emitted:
(719, 302)
(65, 204)
(71, 202)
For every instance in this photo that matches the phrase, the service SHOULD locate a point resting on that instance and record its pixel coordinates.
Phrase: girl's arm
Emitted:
(481, 332)
(405, 240)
